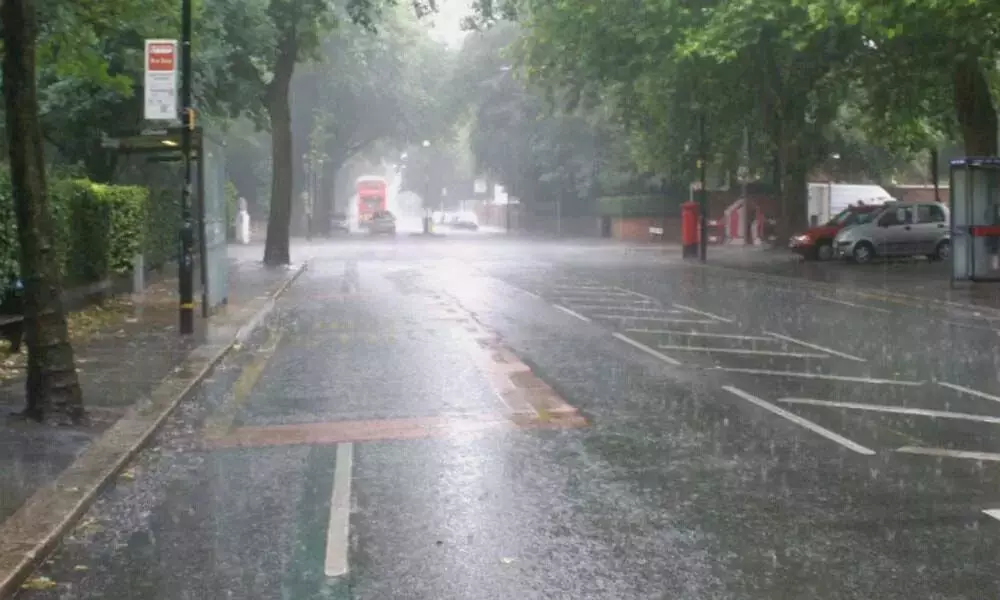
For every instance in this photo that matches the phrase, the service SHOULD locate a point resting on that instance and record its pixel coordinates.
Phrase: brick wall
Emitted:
(916, 193)
(636, 229)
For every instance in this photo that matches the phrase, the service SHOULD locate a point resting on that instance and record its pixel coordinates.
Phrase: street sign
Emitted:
(160, 90)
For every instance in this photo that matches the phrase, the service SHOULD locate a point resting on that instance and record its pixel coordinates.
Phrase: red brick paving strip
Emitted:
(337, 432)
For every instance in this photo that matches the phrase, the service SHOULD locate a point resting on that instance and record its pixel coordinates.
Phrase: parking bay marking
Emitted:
(646, 349)
(899, 410)
(606, 301)
(947, 453)
(570, 312)
(726, 336)
(970, 391)
(807, 375)
(814, 346)
(993, 512)
(655, 319)
(595, 293)
(638, 309)
(853, 304)
(703, 313)
(741, 351)
(794, 418)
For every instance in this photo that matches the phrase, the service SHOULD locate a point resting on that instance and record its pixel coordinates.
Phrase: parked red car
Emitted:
(817, 242)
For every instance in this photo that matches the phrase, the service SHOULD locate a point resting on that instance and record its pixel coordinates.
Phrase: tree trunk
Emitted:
(793, 181)
(276, 248)
(324, 209)
(974, 104)
(52, 386)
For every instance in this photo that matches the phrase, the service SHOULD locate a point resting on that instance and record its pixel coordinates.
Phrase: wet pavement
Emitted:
(470, 417)
(135, 348)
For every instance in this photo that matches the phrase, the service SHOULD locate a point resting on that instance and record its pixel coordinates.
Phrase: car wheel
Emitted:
(863, 253)
(824, 250)
(943, 250)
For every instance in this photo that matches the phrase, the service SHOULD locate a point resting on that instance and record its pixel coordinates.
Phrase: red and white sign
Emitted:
(160, 89)
(160, 56)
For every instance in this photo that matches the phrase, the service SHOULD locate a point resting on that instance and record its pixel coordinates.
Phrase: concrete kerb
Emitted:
(29, 535)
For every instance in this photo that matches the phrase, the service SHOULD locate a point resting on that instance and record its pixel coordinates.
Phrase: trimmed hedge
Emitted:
(98, 228)
(645, 205)
(163, 222)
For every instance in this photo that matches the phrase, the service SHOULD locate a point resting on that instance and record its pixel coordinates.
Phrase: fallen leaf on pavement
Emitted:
(128, 474)
(38, 583)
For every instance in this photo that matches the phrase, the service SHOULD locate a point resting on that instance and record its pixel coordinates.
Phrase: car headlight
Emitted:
(802, 239)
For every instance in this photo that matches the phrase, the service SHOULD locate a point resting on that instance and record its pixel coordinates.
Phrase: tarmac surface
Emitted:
(473, 416)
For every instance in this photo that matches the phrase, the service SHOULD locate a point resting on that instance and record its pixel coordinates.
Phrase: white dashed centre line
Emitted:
(338, 529)
(794, 418)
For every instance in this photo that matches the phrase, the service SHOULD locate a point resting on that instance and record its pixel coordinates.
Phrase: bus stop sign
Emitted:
(974, 202)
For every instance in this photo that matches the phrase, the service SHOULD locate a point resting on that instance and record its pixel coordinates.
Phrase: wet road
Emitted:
(467, 417)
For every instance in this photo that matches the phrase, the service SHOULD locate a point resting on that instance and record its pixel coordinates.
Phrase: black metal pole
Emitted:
(703, 200)
(186, 267)
(310, 195)
(747, 224)
(934, 174)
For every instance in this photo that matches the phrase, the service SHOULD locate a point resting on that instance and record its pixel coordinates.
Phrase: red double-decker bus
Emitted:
(372, 195)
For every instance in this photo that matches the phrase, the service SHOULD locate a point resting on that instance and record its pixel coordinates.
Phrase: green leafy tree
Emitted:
(367, 88)
(927, 66)
(52, 385)
(758, 65)
(266, 39)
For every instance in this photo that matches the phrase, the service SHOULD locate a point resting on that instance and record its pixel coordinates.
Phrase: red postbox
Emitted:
(689, 229)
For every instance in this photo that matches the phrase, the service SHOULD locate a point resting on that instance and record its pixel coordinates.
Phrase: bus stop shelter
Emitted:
(209, 200)
(975, 219)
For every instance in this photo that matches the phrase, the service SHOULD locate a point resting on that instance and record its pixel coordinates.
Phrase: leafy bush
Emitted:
(163, 222)
(98, 229)
(105, 230)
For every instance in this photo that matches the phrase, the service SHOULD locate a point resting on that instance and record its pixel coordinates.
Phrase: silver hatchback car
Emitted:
(899, 229)
(382, 222)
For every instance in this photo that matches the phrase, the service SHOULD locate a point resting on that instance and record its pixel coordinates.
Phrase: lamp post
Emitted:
(703, 199)
(427, 191)
(307, 193)
(744, 176)
(317, 185)
(186, 258)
